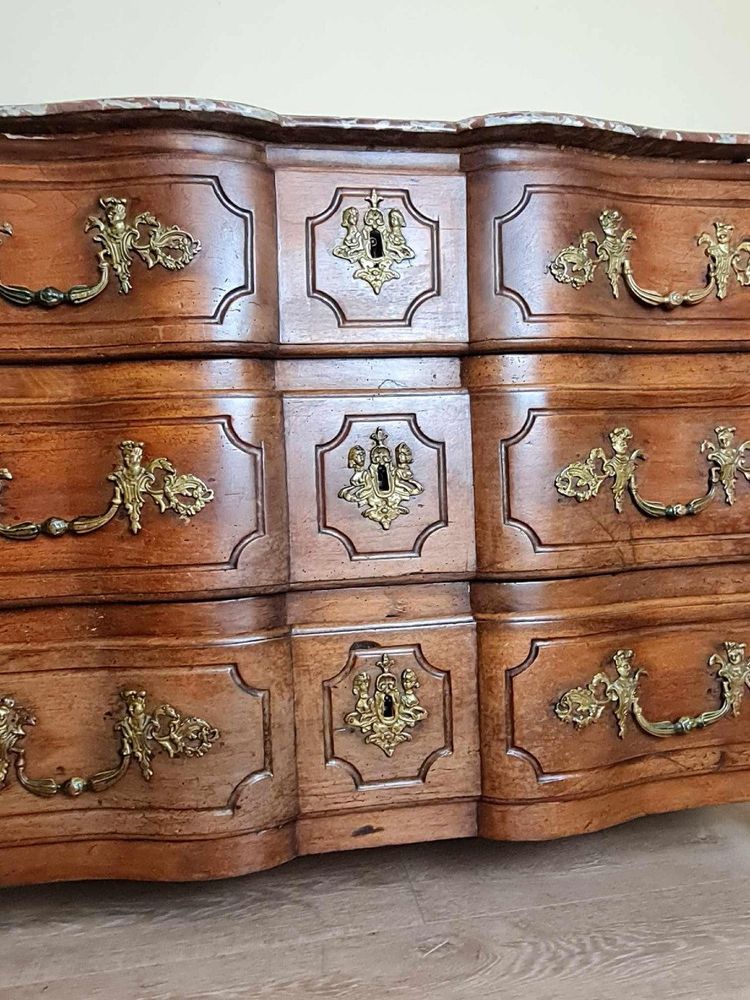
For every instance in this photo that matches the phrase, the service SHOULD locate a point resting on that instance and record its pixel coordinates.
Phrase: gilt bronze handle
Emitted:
(576, 264)
(582, 706)
(140, 735)
(133, 481)
(583, 479)
(169, 246)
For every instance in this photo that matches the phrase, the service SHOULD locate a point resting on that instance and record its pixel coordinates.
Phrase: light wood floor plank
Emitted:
(655, 909)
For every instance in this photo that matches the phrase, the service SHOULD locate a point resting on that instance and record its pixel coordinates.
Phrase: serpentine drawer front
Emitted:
(386, 717)
(110, 250)
(174, 730)
(379, 465)
(571, 250)
(364, 483)
(372, 251)
(595, 464)
(615, 701)
(154, 485)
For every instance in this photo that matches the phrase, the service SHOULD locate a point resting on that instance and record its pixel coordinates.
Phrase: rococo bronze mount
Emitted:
(576, 264)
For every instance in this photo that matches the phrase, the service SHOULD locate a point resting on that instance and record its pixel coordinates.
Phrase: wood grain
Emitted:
(61, 429)
(526, 204)
(534, 414)
(322, 306)
(217, 189)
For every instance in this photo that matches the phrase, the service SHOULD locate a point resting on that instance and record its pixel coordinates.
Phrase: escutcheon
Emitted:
(385, 716)
(376, 244)
(382, 486)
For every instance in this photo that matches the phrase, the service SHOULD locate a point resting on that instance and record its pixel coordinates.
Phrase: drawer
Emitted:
(372, 251)
(140, 479)
(606, 699)
(598, 463)
(166, 240)
(379, 469)
(572, 250)
(122, 726)
(385, 702)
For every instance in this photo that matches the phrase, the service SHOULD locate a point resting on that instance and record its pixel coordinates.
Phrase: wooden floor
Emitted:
(659, 908)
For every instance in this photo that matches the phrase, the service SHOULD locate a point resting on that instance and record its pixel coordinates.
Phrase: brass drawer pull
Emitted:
(186, 495)
(140, 735)
(576, 264)
(169, 246)
(583, 705)
(583, 479)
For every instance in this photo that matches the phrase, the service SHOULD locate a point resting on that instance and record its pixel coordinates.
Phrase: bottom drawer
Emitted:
(139, 734)
(386, 710)
(608, 698)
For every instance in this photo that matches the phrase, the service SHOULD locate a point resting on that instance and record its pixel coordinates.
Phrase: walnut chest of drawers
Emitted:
(364, 483)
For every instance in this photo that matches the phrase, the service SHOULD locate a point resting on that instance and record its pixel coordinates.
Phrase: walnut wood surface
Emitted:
(533, 414)
(60, 428)
(525, 205)
(246, 667)
(322, 305)
(541, 777)
(216, 188)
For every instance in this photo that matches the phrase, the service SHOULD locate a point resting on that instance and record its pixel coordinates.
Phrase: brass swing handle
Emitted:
(582, 706)
(576, 265)
(583, 479)
(133, 480)
(140, 735)
(169, 246)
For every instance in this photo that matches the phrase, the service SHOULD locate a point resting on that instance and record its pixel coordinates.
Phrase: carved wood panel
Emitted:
(399, 281)
(225, 296)
(526, 436)
(531, 753)
(336, 528)
(240, 684)
(423, 742)
(63, 432)
(337, 768)
(528, 205)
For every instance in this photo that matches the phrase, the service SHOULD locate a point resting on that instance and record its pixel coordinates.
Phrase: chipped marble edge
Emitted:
(472, 125)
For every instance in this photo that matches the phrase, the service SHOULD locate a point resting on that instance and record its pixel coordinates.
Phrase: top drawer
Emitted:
(372, 251)
(163, 244)
(571, 250)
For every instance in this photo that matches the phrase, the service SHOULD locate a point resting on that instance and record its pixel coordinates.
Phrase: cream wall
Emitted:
(677, 63)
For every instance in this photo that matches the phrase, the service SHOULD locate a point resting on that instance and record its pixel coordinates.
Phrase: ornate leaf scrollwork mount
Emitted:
(185, 495)
(374, 245)
(583, 479)
(576, 264)
(140, 735)
(169, 246)
(585, 705)
(383, 486)
(385, 715)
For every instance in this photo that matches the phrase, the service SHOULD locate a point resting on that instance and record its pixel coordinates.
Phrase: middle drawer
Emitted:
(159, 479)
(601, 463)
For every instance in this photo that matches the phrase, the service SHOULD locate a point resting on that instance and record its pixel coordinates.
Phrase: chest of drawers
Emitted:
(364, 483)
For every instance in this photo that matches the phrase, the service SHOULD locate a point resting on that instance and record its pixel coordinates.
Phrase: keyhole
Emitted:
(388, 711)
(384, 482)
(376, 244)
